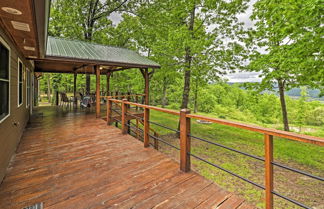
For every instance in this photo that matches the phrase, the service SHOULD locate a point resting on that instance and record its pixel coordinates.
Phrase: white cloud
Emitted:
(241, 77)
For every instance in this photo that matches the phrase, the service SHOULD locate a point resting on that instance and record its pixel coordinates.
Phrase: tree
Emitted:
(289, 34)
(83, 20)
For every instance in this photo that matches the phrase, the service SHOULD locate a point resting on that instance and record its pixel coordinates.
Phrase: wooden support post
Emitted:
(124, 116)
(109, 111)
(74, 90)
(147, 87)
(146, 127)
(108, 83)
(184, 140)
(97, 91)
(268, 142)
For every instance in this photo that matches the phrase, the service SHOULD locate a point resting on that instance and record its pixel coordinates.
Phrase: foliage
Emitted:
(283, 46)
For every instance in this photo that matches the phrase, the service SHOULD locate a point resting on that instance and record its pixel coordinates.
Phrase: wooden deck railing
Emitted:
(185, 137)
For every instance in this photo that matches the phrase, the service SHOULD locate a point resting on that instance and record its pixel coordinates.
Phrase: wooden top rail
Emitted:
(125, 95)
(269, 131)
(116, 100)
(172, 112)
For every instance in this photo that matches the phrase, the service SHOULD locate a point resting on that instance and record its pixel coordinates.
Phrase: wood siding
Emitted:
(10, 133)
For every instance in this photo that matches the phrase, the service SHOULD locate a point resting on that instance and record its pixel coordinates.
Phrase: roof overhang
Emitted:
(75, 56)
(65, 65)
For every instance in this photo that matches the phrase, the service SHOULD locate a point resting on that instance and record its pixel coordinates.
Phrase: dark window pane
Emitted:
(4, 62)
(20, 72)
(4, 99)
(20, 93)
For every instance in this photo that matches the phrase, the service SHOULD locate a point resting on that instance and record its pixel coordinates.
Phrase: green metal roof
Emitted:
(80, 50)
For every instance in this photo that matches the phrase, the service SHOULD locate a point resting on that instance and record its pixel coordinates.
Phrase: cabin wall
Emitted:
(10, 133)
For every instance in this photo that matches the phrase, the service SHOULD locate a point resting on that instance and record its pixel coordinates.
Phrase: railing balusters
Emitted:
(268, 144)
(109, 112)
(146, 127)
(137, 127)
(184, 140)
(124, 121)
(156, 142)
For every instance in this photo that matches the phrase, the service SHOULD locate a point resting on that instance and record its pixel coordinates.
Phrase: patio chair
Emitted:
(65, 100)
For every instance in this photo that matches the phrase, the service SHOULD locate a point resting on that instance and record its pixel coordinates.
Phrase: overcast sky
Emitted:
(234, 77)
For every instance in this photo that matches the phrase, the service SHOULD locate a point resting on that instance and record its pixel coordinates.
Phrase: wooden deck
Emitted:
(73, 160)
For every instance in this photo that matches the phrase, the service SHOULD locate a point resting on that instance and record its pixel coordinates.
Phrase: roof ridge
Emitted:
(76, 40)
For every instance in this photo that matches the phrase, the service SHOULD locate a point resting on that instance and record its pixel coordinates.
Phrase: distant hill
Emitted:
(296, 92)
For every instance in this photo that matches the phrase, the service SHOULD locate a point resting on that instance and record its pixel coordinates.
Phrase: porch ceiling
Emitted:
(25, 22)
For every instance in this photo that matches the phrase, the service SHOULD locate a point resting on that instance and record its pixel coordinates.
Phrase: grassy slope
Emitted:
(304, 156)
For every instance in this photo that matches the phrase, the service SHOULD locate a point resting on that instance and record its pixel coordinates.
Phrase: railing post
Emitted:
(146, 127)
(184, 140)
(268, 144)
(109, 112)
(124, 116)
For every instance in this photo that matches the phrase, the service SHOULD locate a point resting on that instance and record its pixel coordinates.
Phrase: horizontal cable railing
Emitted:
(165, 142)
(185, 137)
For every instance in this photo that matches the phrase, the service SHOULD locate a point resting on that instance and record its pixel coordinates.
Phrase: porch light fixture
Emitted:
(29, 48)
(11, 10)
(20, 26)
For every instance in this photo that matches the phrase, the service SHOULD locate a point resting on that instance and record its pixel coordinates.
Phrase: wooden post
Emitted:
(147, 86)
(109, 112)
(97, 91)
(108, 83)
(146, 127)
(124, 116)
(74, 90)
(184, 140)
(268, 142)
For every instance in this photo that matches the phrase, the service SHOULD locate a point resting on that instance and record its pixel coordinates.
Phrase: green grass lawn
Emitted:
(306, 157)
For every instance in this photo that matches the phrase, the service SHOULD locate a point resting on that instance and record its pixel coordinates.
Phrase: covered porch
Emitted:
(79, 57)
(70, 159)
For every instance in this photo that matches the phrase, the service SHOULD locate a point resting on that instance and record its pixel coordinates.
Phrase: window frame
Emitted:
(22, 84)
(4, 43)
(28, 87)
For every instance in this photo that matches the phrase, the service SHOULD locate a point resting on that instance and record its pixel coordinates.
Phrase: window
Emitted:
(20, 83)
(4, 80)
(27, 88)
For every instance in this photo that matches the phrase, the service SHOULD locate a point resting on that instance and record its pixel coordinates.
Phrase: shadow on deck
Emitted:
(73, 160)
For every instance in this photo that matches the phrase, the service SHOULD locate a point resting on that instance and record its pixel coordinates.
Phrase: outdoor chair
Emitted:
(65, 100)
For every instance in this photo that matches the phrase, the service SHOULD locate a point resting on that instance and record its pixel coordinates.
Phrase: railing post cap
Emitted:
(185, 110)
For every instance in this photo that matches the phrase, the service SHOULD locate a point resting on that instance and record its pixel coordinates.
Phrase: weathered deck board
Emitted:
(73, 160)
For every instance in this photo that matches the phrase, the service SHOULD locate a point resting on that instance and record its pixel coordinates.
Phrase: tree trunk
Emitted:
(196, 97)
(49, 88)
(88, 37)
(164, 93)
(281, 85)
(188, 59)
